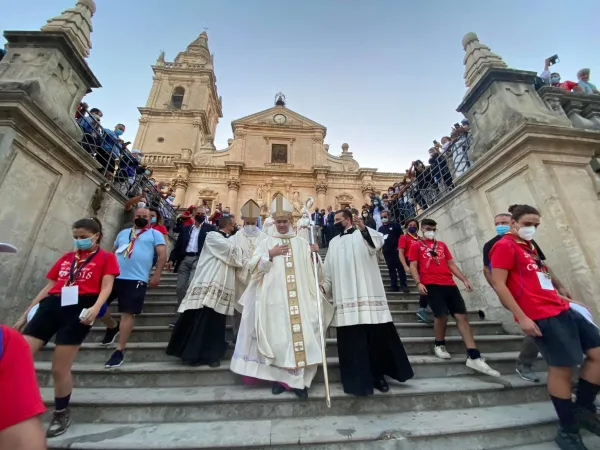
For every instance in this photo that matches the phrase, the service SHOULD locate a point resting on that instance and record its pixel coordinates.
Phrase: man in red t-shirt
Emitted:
(432, 267)
(20, 426)
(404, 243)
(524, 285)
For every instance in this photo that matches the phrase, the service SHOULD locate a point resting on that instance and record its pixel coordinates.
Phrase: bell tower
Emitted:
(183, 107)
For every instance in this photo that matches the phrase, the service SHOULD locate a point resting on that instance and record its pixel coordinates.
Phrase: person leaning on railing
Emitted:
(92, 130)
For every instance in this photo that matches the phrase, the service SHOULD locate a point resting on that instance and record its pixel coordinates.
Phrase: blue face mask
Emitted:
(119, 132)
(555, 80)
(412, 230)
(83, 244)
(153, 220)
(502, 229)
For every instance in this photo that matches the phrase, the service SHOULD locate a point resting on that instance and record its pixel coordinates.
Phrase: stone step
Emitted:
(175, 374)
(165, 318)
(465, 429)
(200, 403)
(162, 333)
(590, 440)
(159, 294)
(168, 304)
(155, 351)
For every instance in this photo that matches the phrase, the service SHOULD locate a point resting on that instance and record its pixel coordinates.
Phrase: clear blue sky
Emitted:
(385, 76)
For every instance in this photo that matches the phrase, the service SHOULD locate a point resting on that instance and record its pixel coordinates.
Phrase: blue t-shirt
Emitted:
(139, 265)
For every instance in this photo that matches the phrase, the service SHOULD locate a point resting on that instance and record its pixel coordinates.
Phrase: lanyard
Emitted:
(76, 267)
(432, 251)
(132, 238)
(530, 248)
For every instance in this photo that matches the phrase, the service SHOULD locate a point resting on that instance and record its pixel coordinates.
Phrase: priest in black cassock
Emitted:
(369, 347)
(199, 334)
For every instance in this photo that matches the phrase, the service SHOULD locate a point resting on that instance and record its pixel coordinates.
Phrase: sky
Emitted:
(385, 76)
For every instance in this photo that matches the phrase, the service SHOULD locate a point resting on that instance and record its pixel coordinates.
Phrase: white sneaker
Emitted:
(480, 365)
(441, 352)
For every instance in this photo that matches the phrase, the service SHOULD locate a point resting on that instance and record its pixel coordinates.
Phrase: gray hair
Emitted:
(503, 214)
(583, 72)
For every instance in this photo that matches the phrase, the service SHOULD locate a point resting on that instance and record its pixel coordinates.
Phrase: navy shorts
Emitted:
(565, 338)
(130, 294)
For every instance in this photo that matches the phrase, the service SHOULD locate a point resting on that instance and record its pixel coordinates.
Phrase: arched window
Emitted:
(177, 97)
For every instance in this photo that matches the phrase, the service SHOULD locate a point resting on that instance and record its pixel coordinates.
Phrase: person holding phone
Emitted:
(79, 281)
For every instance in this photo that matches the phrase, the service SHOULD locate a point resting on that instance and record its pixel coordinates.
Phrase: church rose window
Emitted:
(279, 153)
(177, 97)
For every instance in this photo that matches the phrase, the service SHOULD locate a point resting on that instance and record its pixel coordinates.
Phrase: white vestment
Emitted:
(279, 334)
(213, 284)
(302, 227)
(248, 243)
(269, 226)
(352, 278)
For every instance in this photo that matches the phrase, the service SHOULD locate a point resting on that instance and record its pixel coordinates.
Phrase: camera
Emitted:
(435, 142)
(457, 125)
(553, 60)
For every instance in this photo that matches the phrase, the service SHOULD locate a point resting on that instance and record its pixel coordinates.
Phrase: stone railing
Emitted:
(158, 160)
(583, 110)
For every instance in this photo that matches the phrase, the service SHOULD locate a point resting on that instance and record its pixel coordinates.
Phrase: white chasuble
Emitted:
(213, 284)
(269, 226)
(352, 278)
(279, 333)
(248, 243)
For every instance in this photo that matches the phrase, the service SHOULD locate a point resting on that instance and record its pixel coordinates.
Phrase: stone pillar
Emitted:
(234, 186)
(321, 188)
(367, 190)
(180, 184)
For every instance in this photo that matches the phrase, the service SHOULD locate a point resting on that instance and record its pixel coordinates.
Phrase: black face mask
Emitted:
(339, 227)
(140, 222)
(199, 218)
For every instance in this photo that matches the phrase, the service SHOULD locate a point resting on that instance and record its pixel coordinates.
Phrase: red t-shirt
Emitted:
(161, 229)
(405, 242)
(19, 391)
(89, 278)
(429, 270)
(523, 282)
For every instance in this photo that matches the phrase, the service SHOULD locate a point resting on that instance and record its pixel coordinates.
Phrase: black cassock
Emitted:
(369, 352)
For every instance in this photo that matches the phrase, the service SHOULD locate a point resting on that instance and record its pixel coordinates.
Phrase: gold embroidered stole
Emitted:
(294, 307)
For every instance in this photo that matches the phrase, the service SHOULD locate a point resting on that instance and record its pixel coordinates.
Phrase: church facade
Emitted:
(272, 151)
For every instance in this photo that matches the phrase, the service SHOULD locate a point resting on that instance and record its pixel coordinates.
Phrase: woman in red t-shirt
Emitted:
(523, 283)
(78, 285)
(156, 222)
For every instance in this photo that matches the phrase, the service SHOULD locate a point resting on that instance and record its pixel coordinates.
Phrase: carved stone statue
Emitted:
(296, 200)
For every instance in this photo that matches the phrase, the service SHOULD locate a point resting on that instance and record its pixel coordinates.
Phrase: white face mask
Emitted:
(429, 234)
(250, 228)
(527, 233)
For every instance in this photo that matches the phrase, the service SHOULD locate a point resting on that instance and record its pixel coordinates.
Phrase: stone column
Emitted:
(321, 188)
(180, 184)
(367, 190)
(234, 186)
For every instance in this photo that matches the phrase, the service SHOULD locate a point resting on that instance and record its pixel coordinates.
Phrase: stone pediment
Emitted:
(266, 117)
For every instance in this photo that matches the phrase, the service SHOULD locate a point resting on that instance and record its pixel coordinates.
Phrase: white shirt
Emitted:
(193, 244)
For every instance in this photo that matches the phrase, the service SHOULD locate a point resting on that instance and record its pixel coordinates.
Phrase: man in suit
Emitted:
(317, 217)
(330, 220)
(185, 254)
(391, 235)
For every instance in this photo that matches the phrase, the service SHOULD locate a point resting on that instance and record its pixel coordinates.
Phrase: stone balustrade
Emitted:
(583, 110)
(158, 160)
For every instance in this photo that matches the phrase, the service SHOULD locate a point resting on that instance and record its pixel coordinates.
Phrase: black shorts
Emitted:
(444, 300)
(63, 321)
(565, 338)
(130, 295)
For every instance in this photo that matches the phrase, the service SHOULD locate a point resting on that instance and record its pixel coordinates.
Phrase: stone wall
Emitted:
(543, 166)
(47, 182)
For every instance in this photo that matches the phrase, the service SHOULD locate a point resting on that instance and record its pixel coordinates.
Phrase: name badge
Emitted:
(69, 295)
(545, 281)
(385, 236)
(122, 248)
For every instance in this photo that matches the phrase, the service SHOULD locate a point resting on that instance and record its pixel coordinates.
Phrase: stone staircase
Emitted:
(154, 402)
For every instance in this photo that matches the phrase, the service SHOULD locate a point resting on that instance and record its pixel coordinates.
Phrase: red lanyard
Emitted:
(530, 248)
(432, 251)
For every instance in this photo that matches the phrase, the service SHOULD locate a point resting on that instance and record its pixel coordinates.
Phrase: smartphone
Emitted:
(83, 313)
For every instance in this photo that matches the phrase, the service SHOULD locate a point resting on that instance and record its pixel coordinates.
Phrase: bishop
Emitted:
(279, 339)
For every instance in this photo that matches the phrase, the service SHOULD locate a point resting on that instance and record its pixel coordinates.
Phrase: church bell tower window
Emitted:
(177, 97)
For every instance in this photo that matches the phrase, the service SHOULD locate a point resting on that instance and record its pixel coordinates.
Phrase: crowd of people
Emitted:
(583, 83)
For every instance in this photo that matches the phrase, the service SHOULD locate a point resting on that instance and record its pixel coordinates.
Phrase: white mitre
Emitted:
(281, 208)
(250, 210)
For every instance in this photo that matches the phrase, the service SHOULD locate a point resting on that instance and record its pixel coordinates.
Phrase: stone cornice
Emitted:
(496, 74)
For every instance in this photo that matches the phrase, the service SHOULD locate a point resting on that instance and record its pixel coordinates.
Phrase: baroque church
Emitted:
(272, 151)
